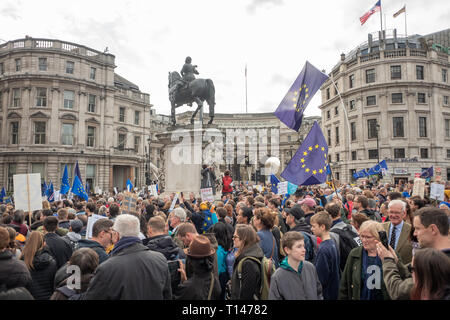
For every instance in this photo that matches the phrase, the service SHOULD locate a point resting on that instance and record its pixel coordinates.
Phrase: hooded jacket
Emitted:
(42, 274)
(164, 244)
(251, 274)
(13, 272)
(59, 248)
(94, 245)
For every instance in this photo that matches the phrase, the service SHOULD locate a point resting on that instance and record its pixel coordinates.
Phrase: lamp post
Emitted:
(378, 149)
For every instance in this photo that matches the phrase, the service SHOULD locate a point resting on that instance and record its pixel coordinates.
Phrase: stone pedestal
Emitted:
(183, 157)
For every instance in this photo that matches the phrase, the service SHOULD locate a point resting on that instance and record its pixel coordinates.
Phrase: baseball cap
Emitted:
(309, 202)
(296, 211)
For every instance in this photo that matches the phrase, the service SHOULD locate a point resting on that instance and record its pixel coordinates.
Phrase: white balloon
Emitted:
(272, 165)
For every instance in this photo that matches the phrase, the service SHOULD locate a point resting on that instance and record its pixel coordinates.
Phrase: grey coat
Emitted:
(289, 285)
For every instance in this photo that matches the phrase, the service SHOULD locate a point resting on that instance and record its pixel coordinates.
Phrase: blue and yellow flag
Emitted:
(274, 183)
(427, 173)
(2, 194)
(309, 164)
(78, 189)
(65, 184)
(291, 109)
(378, 168)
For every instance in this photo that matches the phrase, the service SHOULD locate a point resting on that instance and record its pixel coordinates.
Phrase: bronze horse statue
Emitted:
(198, 90)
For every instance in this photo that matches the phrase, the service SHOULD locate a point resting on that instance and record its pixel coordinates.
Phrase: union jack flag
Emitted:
(366, 16)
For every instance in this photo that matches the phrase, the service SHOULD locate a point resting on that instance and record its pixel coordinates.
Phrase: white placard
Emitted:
(437, 191)
(282, 187)
(259, 188)
(115, 190)
(27, 192)
(91, 220)
(207, 194)
(153, 191)
(57, 195)
(174, 201)
(419, 187)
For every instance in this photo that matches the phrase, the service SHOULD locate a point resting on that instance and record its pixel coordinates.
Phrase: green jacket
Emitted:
(397, 279)
(350, 286)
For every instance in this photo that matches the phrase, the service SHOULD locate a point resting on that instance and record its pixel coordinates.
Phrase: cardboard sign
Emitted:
(437, 191)
(91, 220)
(115, 190)
(282, 187)
(129, 203)
(27, 192)
(419, 187)
(207, 195)
(174, 201)
(153, 191)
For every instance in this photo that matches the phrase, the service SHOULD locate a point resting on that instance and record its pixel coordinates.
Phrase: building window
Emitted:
(137, 115)
(67, 134)
(70, 66)
(39, 132)
(337, 176)
(336, 111)
(338, 157)
(419, 73)
(42, 64)
(329, 137)
(351, 80)
(41, 97)
(15, 132)
(121, 114)
(447, 128)
(91, 104)
(396, 72)
(289, 138)
(353, 155)
(328, 114)
(444, 75)
(353, 130)
(337, 135)
(90, 137)
(70, 167)
(121, 141)
(422, 127)
(445, 100)
(90, 176)
(370, 76)
(137, 141)
(92, 73)
(371, 100)
(352, 105)
(16, 97)
(448, 153)
(372, 127)
(373, 154)
(69, 98)
(424, 153)
(336, 89)
(12, 168)
(328, 93)
(421, 98)
(330, 158)
(18, 64)
(39, 168)
(397, 98)
(398, 127)
(2, 68)
(399, 153)
(448, 174)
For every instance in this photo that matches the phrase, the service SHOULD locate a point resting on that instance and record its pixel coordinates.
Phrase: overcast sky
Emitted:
(273, 37)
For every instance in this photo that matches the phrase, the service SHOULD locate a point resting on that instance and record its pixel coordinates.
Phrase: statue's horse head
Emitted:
(173, 77)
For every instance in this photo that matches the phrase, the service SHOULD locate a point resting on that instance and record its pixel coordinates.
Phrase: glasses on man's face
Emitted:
(235, 237)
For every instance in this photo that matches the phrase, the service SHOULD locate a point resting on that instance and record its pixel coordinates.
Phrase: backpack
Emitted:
(267, 269)
(347, 240)
(208, 220)
(310, 246)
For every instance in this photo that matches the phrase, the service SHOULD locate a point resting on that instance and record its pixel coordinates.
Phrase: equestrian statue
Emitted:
(186, 89)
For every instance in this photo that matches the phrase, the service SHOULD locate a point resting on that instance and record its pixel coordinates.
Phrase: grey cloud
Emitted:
(10, 10)
(278, 79)
(255, 4)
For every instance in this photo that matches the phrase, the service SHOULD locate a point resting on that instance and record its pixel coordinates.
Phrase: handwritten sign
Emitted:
(282, 187)
(129, 203)
(437, 191)
(419, 187)
(174, 201)
(153, 190)
(207, 194)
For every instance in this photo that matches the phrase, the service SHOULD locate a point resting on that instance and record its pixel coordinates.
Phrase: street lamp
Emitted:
(378, 149)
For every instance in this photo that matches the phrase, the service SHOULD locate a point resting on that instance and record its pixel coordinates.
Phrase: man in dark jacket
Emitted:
(133, 272)
(101, 239)
(13, 273)
(361, 204)
(161, 241)
(59, 248)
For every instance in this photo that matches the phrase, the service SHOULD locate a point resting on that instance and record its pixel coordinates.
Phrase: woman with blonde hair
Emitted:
(41, 264)
(362, 278)
(246, 283)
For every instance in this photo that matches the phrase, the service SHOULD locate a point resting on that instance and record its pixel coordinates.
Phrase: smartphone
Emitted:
(384, 238)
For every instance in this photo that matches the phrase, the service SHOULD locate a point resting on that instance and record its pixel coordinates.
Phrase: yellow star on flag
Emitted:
(307, 170)
(305, 153)
(314, 171)
(310, 148)
(302, 160)
(317, 146)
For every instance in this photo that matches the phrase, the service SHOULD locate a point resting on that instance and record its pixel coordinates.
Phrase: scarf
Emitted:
(125, 242)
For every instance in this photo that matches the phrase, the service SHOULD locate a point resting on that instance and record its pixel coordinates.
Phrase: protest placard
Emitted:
(207, 194)
(175, 198)
(419, 187)
(27, 192)
(282, 187)
(437, 191)
(91, 220)
(153, 190)
(129, 203)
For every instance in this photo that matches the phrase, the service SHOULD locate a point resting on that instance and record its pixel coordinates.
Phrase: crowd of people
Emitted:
(350, 242)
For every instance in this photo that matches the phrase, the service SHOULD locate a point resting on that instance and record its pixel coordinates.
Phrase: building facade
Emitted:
(395, 107)
(61, 103)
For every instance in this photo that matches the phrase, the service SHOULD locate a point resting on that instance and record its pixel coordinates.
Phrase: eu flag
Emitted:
(361, 174)
(44, 189)
(2, 194)
(50, 192)
(309, 164)
(88, 187)
(65, 184)
(378, 168)
(77, 172)
(274, 183)
(427, 173)
(77, 189)
(290, 111)
(129, 185)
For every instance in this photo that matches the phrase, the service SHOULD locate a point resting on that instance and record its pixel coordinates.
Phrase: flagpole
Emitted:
(406, 29)
(246, 102)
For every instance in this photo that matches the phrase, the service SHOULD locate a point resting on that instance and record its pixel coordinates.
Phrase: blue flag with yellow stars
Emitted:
(65, 184)
(378, 168)
(78, 189)
(291, 109)
(309, 164)
(274, 183)
(427, 173)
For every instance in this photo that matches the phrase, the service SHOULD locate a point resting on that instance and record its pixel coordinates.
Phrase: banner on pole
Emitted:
(27, 192)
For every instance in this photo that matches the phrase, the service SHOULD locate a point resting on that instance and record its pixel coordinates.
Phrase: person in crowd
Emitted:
(384, 211)
(226, 182)
(245, 215)
(41, 264)
(362, 278)
(63, 221)
(86, 260)
(102, 238)
(73, 236)
(16, 241)
(138, 273)
(263, 221)
(91, 209)
(296, 279)
(245, 284)
(358, 219)
(114, 211)
(431, 275)
(349, 205)
(177, 217)
(327, 259)
(431, 227)
(308, 205)
(398, 230)
(203, 284)
(58, 247)
(18, 220)
(361, 204)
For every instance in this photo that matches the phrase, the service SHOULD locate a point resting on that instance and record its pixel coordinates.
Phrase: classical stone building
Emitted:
(395, 92)
(62, 102)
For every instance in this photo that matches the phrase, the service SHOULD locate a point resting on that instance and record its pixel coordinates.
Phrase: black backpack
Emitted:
(348, 240)
(310, 246)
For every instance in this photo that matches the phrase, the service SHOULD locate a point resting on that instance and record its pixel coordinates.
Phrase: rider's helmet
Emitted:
(188, 60)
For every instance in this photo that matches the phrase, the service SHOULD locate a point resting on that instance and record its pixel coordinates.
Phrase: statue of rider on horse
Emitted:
(186, 89)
